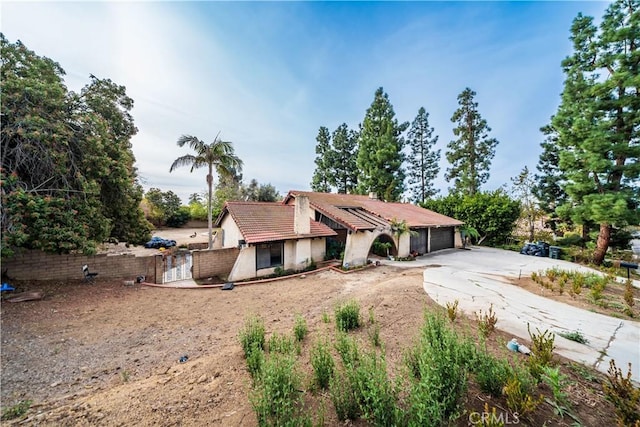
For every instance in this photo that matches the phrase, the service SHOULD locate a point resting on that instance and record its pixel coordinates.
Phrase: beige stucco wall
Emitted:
(359, 243)
(231, 233)
(297, 255)
(318, 249)
(245, 266)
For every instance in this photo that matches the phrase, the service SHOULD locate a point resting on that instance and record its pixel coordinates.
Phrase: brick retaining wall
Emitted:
(36, 265)
(215, 262)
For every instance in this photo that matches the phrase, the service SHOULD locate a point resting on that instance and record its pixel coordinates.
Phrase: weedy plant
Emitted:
(491, 373)
(255, 361)
(276, 397)
(322, 363)
(518, 398)
(343, 397)
(252, 334)
(325, 317)
(542, 348)
(452, 310)
(348, 316)
(283, 344)
(16, 411)
(300, 328)
(624, 396)
(487, 321)
(347, 348)
(557, 383)
(628, 298)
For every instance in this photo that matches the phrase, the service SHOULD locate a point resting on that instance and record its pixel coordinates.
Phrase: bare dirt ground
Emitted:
(107, 354)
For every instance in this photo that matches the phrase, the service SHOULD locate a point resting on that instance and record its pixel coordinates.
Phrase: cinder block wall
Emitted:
(215, 262)
(36, 265)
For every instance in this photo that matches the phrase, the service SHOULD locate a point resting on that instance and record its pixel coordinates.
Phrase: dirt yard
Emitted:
(108, 354)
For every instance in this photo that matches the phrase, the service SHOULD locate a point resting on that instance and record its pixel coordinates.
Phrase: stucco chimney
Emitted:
(373, 195)
(302, 215)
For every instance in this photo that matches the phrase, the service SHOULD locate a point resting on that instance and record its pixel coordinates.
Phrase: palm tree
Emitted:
(219, 154)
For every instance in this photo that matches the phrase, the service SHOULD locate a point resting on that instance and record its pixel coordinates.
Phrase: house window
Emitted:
(269, 255)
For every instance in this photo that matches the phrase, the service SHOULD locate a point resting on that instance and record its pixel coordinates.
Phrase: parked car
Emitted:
(158, 242)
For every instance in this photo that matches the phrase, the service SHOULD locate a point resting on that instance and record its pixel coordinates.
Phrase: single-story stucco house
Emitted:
(292, 233)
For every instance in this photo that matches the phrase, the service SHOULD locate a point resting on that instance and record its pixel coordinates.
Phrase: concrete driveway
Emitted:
(477, 279)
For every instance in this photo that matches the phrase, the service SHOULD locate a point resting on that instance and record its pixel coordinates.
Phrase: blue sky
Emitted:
(267, 75)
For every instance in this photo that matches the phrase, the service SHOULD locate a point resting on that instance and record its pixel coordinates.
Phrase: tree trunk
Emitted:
(602, 244)
(209, 213)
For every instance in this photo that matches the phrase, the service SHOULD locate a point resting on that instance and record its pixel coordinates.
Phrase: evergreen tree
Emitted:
(598, 122)
(343, 159)
(323, 175)
(471, 154)
(380, 155)
(550, 180)
(423, 160)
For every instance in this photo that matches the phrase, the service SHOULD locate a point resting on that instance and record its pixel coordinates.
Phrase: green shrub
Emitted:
(439, 363)
(252, 334)
(625, 397)
(16, 411)
(347, 348)
(283, 344)
(373, 390)
(255, 361)
(542, 347)
(277, 399)
(491, 374)
(343, 397)
(323, 364)
(486, 322)
(300, 328)
(325, 317)
(348, 316)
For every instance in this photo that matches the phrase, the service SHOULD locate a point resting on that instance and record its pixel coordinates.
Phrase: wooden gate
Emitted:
(177, 267)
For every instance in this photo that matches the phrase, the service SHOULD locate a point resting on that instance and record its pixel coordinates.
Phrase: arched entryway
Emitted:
(383, 246)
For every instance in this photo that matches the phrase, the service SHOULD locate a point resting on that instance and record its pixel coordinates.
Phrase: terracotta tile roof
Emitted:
(265, 222)
(347, 210)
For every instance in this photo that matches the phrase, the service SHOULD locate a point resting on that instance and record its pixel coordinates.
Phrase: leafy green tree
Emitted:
(380, 154)
(195, 198)
(470, 155)
(523, 189)
(323, 175)
(218, 154)
(423, 159)
(229, 188)
(68, 180)
(343, 159)
(492, 214)
(598, 122)
(164, 206)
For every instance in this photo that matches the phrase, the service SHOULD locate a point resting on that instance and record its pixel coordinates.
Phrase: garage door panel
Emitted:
(419, 241)
(442, 238)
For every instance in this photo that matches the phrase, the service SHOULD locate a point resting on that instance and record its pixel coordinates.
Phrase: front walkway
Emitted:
(476, 278)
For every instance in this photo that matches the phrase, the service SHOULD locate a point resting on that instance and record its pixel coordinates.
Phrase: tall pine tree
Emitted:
(323, 175)
(598, 122)
(470, 155)
(345, 171)
(423, 159)
(380, 155)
